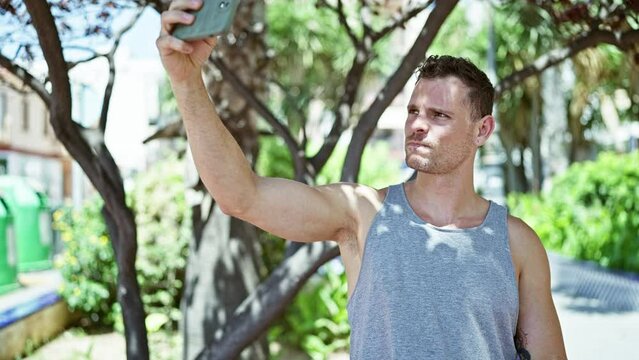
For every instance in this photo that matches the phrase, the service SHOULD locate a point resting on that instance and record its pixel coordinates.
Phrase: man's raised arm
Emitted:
(283, 207)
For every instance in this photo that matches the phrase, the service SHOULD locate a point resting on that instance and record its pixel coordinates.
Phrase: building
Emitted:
(28, 146)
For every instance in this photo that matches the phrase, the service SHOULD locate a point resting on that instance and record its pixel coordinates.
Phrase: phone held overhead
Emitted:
(214, 18)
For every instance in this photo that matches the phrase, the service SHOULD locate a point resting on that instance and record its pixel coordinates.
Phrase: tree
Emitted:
(86, 145)
(543, 34)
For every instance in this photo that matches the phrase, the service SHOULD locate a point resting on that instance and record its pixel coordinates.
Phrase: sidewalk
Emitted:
(598, 310)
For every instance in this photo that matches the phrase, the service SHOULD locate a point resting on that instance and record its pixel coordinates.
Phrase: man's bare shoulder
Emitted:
(525, 245)
(357, 194)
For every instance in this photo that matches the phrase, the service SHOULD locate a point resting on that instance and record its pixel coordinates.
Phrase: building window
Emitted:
(25, 113)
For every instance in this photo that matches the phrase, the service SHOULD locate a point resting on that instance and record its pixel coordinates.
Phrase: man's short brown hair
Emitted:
(480, 90)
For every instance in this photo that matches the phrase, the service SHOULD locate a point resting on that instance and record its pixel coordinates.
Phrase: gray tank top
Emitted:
(426, 292)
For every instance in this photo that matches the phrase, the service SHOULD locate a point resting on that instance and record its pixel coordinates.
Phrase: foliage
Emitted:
(378, 167)
(306, 64)
(164, 230)
(311, 56)
(591, 212)
(163, 226)
(87, 264)
(457, 37)
(168, 103)
(317, 322)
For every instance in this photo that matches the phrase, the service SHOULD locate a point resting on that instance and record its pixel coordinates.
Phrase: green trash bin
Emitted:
(8, 265)
(31, 222)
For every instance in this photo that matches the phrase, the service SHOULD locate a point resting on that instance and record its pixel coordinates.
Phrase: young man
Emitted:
(434, 270)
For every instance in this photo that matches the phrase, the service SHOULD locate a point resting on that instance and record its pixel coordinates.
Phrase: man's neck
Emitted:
(447, 200)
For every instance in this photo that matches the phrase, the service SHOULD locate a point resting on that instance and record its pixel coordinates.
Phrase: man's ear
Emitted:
(485, 128)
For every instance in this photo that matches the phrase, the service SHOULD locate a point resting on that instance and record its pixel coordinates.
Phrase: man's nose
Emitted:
(418, 127)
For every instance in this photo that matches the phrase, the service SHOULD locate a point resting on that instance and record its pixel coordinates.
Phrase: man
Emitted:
(434, 270)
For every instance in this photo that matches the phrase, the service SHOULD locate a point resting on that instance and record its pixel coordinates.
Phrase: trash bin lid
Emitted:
(5, 212)
(17, 192)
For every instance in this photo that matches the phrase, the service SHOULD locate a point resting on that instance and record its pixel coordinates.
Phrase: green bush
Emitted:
(87, 264)
(591, 212)
(317, 321)
(163, 225)
(163, 220)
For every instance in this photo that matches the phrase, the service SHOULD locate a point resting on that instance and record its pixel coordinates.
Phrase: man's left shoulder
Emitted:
(525, 245)
(520, 231)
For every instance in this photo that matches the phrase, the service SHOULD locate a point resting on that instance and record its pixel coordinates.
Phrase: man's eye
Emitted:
(413, 111)
(441, 115)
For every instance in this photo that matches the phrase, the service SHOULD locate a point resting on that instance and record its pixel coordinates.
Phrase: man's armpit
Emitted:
(520, 345)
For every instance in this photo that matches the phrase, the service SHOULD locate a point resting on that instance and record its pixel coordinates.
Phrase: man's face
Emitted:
(439, 129)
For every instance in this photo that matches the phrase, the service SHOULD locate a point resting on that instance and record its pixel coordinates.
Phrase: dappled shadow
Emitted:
(592, 288)
(222, 269)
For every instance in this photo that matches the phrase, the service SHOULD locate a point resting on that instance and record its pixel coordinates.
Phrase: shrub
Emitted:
(163, 225)
(87, 264)
(591, 212)
(317, 321)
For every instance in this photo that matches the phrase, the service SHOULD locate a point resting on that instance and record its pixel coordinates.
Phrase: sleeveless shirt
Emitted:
(426, 292)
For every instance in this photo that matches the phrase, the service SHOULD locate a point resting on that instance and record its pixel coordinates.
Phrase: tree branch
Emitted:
(343, 109)
(36, 85)
(173, 129)
(623, 41)
(297, 154)
(400, 20)
(297, 109)
(158, 5)
(365, 14)
(394, 85)
(250, 319)
(341, 15)
(106, 101)
(72, 64)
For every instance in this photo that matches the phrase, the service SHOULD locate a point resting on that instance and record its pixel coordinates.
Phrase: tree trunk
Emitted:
(222, 269)
(580, 148)
(224, 257)
(100, 168)
(123, 233)
(554, 143)
(515, 177)
(535, 141)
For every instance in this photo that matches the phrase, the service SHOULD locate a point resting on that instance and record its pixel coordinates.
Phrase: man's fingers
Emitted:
(171, 17)
(178, 13)
(210, 41)
(185, 4)
(167, 44)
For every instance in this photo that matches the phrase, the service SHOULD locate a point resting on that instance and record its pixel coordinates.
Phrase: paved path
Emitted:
(598, 310)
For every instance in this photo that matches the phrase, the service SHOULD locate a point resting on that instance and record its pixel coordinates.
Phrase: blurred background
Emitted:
(111, 248)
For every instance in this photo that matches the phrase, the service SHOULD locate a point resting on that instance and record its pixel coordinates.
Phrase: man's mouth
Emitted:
(416, 144)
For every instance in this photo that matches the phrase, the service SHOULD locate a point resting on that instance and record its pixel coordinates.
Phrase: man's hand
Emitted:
(182, 60)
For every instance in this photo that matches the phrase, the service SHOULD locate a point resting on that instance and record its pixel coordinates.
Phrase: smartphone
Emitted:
(215, 17)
